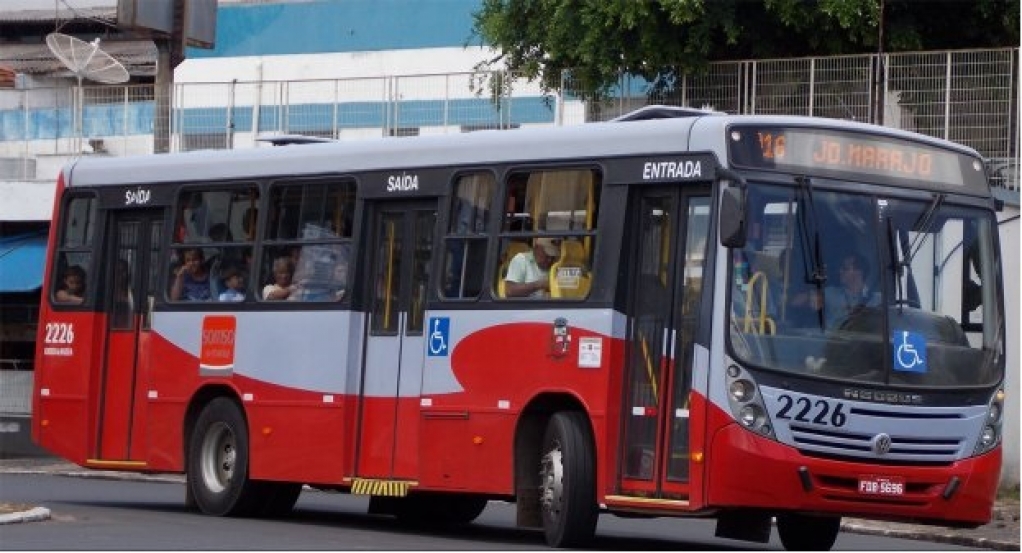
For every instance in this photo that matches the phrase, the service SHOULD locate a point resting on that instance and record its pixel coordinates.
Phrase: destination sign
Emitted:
(828, 152)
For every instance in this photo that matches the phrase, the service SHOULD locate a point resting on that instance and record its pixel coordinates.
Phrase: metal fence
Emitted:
(969, 96)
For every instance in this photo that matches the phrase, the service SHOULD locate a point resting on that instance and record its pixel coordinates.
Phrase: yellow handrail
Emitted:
(649, 367)
(764, 322)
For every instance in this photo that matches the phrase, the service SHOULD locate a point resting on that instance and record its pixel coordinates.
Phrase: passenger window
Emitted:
(213, 235)
(466, 239)
(548, 235)
(74, 255)
(307, 246)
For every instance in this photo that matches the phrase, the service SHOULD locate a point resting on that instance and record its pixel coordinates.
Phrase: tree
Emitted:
(598, 40)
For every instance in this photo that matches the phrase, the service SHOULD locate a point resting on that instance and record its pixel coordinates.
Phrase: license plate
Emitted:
(881, 485)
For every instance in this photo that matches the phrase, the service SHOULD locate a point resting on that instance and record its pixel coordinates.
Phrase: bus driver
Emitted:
(528, 273)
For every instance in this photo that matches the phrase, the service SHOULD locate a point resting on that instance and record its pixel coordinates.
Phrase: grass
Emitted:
(1008, 493)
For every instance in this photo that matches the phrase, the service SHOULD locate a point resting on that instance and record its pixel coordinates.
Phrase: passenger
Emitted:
(234, 281)
(191, 280)
(852, 295)
(282, 287)
(72, 290)
(528, 273)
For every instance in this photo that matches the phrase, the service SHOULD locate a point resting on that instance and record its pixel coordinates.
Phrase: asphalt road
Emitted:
(99, 514)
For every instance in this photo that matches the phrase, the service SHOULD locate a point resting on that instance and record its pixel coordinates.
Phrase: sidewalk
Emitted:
(1002, 534)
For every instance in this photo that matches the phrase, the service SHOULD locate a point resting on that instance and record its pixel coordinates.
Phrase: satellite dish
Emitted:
(86, 60)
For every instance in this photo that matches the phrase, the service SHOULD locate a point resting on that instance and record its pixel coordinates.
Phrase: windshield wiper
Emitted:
(816, 273)
(812, 259)
(896, 264)
(922, 226)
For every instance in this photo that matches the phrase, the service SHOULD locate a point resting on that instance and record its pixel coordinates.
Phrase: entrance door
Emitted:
(667, 267)
(400, 249)
(127, 287)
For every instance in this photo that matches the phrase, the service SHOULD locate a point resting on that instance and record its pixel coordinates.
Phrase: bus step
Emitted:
(390, 488)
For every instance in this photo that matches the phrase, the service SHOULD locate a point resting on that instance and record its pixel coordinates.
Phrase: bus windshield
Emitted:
(866, 288)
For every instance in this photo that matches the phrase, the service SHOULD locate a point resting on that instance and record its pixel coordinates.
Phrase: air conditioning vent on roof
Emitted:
(663, 112)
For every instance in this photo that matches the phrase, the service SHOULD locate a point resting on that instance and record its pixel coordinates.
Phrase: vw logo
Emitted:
(881, 444)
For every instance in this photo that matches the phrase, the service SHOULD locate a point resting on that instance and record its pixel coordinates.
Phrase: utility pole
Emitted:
(170, 54)
(881, 74)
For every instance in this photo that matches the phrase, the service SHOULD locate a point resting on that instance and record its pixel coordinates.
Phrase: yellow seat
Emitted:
(569, 275)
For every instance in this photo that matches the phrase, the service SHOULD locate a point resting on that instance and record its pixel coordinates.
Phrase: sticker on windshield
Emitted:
(909, 350)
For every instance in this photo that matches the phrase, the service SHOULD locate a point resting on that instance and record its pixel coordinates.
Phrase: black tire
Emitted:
(808, 533)
(567, 497)
(218, 462)
(278, 498)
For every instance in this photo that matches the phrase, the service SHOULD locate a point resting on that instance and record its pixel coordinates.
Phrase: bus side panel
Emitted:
(66, 376)
(173, 379)
(291, 379)
(294, 435)
(777, 484)
(298, 440)
(501, 368)
(467, 451)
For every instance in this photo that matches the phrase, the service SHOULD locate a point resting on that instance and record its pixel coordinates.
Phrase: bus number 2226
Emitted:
(803, 409)
(59, 333)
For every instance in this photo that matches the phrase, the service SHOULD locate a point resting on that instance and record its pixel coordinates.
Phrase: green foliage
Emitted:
(597, 40)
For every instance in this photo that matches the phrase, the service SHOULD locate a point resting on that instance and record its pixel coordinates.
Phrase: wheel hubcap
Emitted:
(551, 482)
(219, 455)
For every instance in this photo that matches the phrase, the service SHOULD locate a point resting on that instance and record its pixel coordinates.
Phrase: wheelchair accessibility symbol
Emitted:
(439, 336)
(909, 351)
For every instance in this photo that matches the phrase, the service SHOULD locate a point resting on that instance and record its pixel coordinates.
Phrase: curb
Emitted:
(32, 515)
(935, 535)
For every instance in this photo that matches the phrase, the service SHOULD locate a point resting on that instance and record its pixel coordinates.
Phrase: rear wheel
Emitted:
(567, 492)
(218, 462)
(808, 533)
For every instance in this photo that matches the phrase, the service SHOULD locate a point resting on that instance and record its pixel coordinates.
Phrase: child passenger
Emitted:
(234, 280)
(72, 290)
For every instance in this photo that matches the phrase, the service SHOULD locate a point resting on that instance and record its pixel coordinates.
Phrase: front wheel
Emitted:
(808, 533)
(218, 462)
(567, 490)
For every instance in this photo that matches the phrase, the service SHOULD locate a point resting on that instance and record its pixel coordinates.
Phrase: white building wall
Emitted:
(339, 65)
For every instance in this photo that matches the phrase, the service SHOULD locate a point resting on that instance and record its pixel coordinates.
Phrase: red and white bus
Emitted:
(678, 313)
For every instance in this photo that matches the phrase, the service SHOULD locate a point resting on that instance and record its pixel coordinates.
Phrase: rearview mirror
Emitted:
(732, 217)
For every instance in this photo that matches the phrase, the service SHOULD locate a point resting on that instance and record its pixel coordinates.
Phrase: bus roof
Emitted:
(607, 139)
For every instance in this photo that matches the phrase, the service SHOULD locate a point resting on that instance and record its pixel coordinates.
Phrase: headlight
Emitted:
(741, 390)
(750, 415)
(994, 414)
(746, 402)
(989, 437)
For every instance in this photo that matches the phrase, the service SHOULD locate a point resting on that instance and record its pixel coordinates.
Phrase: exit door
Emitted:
(401, 248)
(127, 286)
(669, 252)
